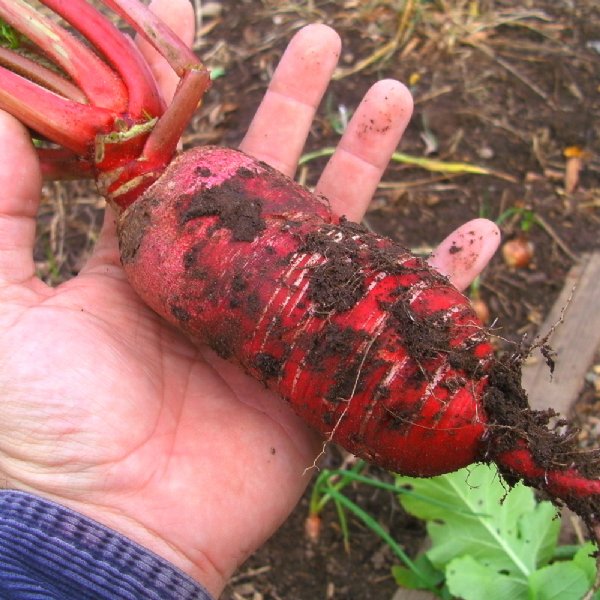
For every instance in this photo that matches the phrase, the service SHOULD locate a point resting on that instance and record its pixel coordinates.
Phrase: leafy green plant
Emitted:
(495, 543)
(329, 487)
(526, 217)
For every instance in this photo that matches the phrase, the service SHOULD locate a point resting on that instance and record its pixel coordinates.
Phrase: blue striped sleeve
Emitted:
(49, 552)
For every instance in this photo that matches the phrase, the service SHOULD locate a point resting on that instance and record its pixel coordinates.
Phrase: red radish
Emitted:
(518, 252)
(370, 345)
(312, 528)
(481, 309)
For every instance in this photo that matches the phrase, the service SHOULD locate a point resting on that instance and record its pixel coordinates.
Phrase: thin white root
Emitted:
(329, 438)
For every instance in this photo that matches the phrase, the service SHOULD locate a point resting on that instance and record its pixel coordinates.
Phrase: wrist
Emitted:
(48, 547)
(196, 564)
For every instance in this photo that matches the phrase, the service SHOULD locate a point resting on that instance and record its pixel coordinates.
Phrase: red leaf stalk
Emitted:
(108, 117)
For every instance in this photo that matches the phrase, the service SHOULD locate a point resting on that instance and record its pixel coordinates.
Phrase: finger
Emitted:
(20, 185)
(179, 16)
(282, 122)
(355, 169)
(466, 251)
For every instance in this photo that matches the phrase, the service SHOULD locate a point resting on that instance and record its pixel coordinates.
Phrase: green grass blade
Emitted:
(429, 164)
(391, 487)
(374, 526)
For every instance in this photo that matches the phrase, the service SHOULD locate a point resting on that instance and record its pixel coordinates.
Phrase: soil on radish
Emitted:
(232, 206)
(553, 441)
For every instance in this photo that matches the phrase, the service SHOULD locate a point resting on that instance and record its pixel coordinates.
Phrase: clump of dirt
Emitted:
(233, 208)
(351, 254)
(337, 283)
(425, 337)
(132, 226)
(268, 365)
(333, 341)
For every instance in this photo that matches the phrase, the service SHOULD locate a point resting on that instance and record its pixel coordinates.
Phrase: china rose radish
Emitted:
(355, 332)
(370, 345)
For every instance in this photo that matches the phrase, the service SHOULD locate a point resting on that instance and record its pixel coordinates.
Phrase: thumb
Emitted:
(20, 186)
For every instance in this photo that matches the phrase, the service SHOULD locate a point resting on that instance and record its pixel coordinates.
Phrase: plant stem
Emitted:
(144, 97)
(162, 141)
(195, 79)
(325, 481)
(22, 65)
(429, 164)
(99, 83)
(159, 35)
(63, 121)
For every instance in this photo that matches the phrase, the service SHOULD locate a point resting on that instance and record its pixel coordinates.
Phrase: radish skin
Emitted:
(249, 292)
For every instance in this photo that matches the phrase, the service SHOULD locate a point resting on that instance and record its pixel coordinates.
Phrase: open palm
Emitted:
(108, 410)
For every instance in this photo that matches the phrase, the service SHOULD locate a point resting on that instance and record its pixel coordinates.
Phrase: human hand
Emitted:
(108, 410)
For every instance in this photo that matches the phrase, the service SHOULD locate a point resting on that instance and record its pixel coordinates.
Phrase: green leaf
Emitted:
(584, 560)
(472, 512)
(559, 581)
(408, 578)
(469, 579)
(539, 532)
(217, 72)
(9, 37)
